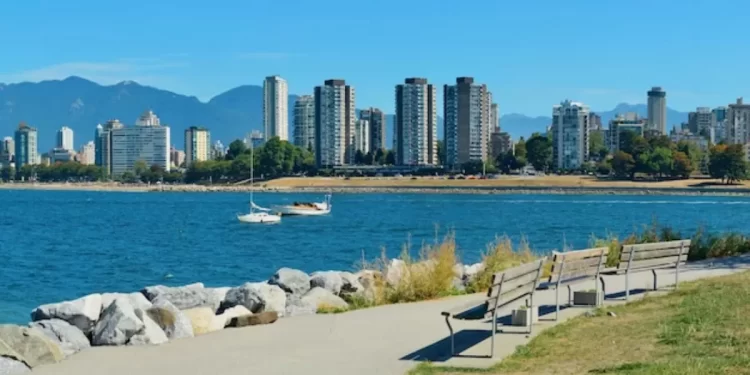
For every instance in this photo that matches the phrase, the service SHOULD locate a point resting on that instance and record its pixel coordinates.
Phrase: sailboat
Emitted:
(258, 214)
(306, 208)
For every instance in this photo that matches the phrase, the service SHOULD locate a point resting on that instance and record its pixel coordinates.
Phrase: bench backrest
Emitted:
(578, 265)
(654, 255)
(513, 283)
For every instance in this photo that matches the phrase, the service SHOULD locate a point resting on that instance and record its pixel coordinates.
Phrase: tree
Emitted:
(727, 163)
(633, 144)
(682, 166)
(520, 149)
(539, 152)
(7, 173)
(597, 149)
(359, 157)
(390, 158)
(140, 167)
(661, 161)
(236, 148)
(693, 152)
(603, 168)
(623, 164)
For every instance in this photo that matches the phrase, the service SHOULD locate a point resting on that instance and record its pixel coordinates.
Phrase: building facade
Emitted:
(466, 112)
(416, 123)
(87, 154)
(275, 108)
(177, 157)
(622, 123)
(738, 122)
(500, 143)
(376, 118)
(197, 145)
(61, 155)
(147, 142)
(699, 122)
(334, 123)
(657, 110)
(65, 138)
(362, 136)
(103, 145)
(26, 143)
(7, 151)
(255, 139)
(719, 124)
(570, 134)
(304, 122)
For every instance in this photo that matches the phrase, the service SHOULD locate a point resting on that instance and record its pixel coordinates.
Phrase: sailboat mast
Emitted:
(252, 174)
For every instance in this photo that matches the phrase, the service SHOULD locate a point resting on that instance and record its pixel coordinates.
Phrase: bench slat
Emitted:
(575, 275)
(518, 271)
(646, 263)
(580, 254)
(655, 246)
(511, 295)
(513, 284)
(639, 255)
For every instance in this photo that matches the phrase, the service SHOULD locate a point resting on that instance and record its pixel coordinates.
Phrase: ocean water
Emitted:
(58, 245)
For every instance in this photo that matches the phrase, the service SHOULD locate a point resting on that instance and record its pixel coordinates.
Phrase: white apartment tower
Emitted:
(334, 123)
(304, 122)
(416, 123)
(275, 111)
(197, 145)
(657, 110)
(87, 154)
(147, 142)
(466, 113)
(738, 122)
(362, 136)
(65, 138)
(570, 134)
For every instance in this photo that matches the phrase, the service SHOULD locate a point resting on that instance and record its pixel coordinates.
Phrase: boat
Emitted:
(258, 214)
(306, 208)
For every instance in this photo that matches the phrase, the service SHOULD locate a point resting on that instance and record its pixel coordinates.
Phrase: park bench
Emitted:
(507, 286)
(572, 267)
(652, 256)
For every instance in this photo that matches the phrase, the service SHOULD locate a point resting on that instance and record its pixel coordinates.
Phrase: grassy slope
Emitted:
(701, 329)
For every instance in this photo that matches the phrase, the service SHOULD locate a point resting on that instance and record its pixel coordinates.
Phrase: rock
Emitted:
(69, 338)
(152, 334)
(291, 281)
(220, 293)
(267, 317)
(322, 298)
(395, 272)
(612, 314)
(184, 297)
(370, 280)
(328, 280)
(202, 320)
(83, 312)
(350, 284)
(296, 307)
(471, 271)
(117, 325)
(232, 312)
(136, 299)
(256, 297)
(29, 345)
(9, 366)
(458, 285)
(174, 323)
(589, 314)
(458, 270)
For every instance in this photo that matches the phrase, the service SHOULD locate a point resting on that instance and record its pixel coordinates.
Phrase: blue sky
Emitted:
(531, 54)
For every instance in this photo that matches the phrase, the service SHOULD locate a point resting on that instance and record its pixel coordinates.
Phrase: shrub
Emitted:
(500, 255)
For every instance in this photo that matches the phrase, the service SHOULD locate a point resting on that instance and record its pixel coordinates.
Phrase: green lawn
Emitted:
(703, 328)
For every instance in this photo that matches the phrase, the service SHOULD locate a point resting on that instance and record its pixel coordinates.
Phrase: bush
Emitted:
(500, 255)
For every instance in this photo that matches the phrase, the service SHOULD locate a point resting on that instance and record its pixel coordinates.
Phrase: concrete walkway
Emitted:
(383, 340)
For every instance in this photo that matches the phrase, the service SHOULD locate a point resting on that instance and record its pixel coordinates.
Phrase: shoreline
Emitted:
(391, 189)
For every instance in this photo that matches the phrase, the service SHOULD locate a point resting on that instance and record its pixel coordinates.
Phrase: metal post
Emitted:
(627, 273)
(494, 329)
(655, 283)
(604, 289)
(557, 287)
(531, 313)
(598, 272)
(677, 266)
(450, 328)
(570, 296)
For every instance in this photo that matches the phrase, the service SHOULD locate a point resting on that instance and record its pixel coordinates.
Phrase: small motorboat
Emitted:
(306, 208)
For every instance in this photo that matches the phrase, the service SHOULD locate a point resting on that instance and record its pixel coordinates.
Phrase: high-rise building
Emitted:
(699, 122)
(570, 134)
(596, 122)
(87, 154)
(376, 117)
(466, 114)
(254, 139)
(719, 124)
(177, 157)
(738, 122)
(500, 143)
(61, 155)
(416, 123)
(629, 122)
(334, 123)
(304, 122)
(362, 136)
(7, 151)
(148, 142)
(197, 144)
(103, 145)
(65, 138)
(26, 146)
(218, 151)
(657, 110)
(275, 112)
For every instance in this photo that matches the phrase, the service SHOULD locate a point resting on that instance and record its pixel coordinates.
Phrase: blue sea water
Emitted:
(58, 245)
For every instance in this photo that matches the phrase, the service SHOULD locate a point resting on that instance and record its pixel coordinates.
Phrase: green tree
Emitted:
(140, 168)
(693, 152)
(633, 144)
(359, 157)
(727, 162)
(520, 149)
(539, 152)
(603, 168)
(682, 166)
(661, 161)
(597, 148)
(390, 158)
(236, 148)
(623, 164)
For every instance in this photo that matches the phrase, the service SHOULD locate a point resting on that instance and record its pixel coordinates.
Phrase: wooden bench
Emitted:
(653, 256)
(573, 267)
(506, 287)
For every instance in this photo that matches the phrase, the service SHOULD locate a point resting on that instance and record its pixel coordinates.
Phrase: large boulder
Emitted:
(202, 319)
(295, 306)
(171, 320)
(256, 297)
(267, 317)
(370, 281)
(29, 346)
(291, 280)
(220, 293)
(323, 298)
(329, 280)
(83, 312)
(136, 299)
(395, 271)
(152, 334)
(69, 338)
(184, 297)
(9, 366)
(350, 284)
(470, 272)
(117, 324)
(225, 317)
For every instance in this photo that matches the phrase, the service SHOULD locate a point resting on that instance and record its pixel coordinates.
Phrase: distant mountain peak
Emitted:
(127, 83)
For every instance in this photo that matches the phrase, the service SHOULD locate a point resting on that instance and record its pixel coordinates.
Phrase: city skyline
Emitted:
(219, 58)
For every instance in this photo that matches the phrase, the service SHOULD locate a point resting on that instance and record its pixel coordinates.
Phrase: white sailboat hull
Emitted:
(259, 218)
(302, 211)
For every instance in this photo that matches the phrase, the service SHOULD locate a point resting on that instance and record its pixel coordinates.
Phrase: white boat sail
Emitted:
(258, 214)
(306, 208)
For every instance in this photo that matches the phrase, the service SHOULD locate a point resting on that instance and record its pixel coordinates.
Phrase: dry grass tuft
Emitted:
(500, 255)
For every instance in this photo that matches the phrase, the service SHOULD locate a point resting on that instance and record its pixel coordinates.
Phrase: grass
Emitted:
(700, 329)
(499, 256)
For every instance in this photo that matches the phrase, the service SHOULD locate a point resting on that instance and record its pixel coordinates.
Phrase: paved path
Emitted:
(383, 340)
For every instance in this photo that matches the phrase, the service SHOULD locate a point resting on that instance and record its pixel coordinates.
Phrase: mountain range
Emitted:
(80, 104)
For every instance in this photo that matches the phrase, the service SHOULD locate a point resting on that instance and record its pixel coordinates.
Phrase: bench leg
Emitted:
(676, 276)
(604, 288)
(570, 296)
(655, 284)
(531, 313)
(450, 328)
(494, 329)
(557, 303)
(627, 286)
